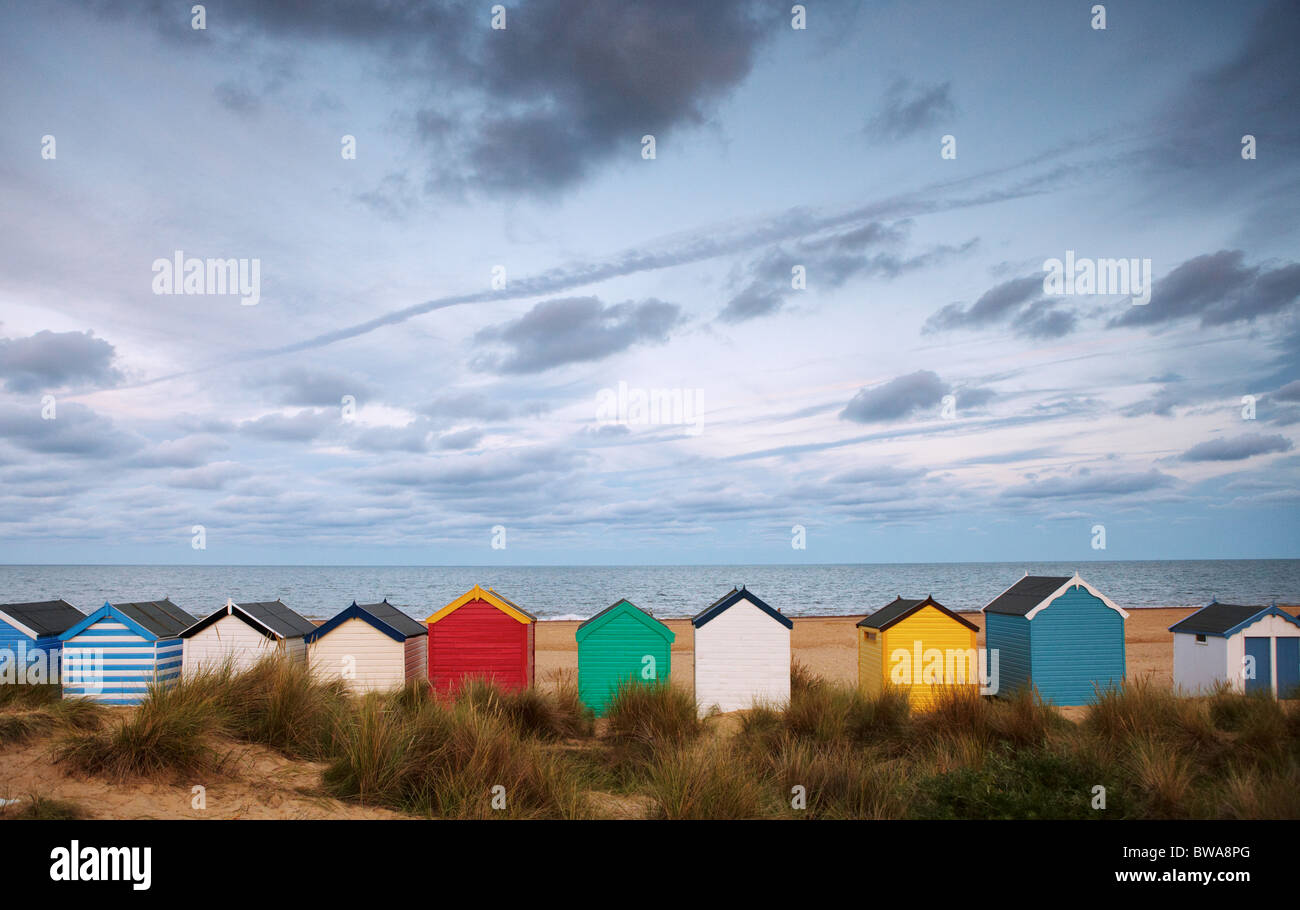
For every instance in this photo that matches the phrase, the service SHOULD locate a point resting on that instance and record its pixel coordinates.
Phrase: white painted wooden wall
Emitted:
(741, 656)
(1199, 668)
(232, 638)
(379, 661)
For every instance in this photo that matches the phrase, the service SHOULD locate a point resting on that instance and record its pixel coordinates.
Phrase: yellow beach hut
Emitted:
(919, 646)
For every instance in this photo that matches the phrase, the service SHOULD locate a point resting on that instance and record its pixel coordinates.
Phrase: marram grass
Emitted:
(831, 752)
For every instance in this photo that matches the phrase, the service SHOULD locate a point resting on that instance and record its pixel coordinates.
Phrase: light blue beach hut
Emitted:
(29, 640)
(1059, 634)
(115, 653)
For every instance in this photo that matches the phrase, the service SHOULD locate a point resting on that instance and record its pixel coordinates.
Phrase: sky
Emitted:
(828, 273)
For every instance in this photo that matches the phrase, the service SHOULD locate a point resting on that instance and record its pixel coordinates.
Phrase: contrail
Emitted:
(683, 249)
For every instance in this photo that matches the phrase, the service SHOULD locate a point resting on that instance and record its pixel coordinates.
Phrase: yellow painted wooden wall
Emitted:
(878, 660)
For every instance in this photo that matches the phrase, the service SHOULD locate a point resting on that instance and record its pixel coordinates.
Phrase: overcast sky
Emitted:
(520, 150)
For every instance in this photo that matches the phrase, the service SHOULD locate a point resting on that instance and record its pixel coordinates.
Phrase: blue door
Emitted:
(1260, 648)
(1288, 667)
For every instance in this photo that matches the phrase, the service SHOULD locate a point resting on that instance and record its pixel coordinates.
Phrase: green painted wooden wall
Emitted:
(613, 647)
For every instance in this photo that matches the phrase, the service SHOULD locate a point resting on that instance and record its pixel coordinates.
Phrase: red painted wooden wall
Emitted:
(479, 640)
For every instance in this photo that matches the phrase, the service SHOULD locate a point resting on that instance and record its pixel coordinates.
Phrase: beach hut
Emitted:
(481, 635)
(242, 634)
(29, 640)
(1059, 634)
(742, 653)
(621, 643)
(115, 653)
(920, 646)
(1252, 649)
(371, 647)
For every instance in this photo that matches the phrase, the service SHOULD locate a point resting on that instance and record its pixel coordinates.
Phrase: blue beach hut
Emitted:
(115, 653)
(29, 640)
(1059, 634)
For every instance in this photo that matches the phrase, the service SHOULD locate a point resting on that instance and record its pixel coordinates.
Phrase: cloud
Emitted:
(185, 452)
(533, 108)
(393, 199)
(1087, 484)
(908, 108)
(1043, 320)
(576, 330)
(886, 475)
(236, 98)
(478, 406)
(568, 86)
(209, 477)
(52, 360)
(1018, 302)
(1218, 288)
(829, 261)
(1238, 448)
(679, 249)
(1254, 90)
(1288, 392)
(305, 387)
(896, 399)
(303, 426)
(75, 430)
(460, 439)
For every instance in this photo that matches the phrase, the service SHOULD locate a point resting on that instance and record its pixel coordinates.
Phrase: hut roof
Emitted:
(383, 616)
(272, 618)
(1026, 594)
(732, 597)
(1227, 619)
(586, 627)
(42, 618)
(161, 617)
(487, 595)
(1034, 592)
(900, 609)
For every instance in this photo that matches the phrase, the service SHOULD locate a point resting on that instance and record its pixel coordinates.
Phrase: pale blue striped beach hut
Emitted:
(115, 653)
(29, 640)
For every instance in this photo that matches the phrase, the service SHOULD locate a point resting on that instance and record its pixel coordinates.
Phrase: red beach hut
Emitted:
(481, 635)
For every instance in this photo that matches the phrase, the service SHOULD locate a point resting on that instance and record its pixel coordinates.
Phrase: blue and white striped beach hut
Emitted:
(29, 640)
(113, 654)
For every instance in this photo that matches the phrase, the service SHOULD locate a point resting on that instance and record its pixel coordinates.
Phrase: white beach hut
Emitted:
(1252, 649)
(244, 633)
(371, 647)
(742, 654)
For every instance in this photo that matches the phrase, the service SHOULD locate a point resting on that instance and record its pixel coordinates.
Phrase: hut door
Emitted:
(1288, 667)
(1261, 649)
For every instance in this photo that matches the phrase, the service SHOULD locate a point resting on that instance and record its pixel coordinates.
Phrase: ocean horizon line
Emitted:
(629, 565)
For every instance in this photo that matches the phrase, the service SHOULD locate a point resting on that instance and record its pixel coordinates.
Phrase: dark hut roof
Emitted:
(900, 609)
(1221, 619)
(45, 617)
(1026, 594)
(391, 616)
(276, 616)
(271, 618)
(732, 597)
(161, 617)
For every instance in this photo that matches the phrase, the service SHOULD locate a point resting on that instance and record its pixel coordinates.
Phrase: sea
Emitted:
(577, 592)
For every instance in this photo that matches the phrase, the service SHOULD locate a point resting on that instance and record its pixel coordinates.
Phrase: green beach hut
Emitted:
(622, 642)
